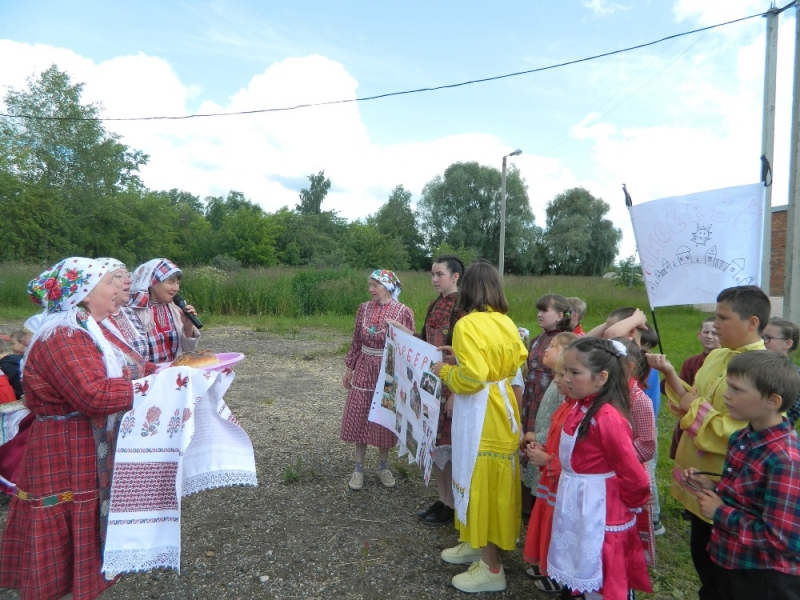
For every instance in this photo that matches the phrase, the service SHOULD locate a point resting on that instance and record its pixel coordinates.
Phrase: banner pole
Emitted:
(655, 326)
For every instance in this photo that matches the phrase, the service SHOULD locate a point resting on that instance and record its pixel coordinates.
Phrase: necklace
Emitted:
(377, 319)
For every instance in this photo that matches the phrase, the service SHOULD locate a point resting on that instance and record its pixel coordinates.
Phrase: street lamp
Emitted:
(501, 262)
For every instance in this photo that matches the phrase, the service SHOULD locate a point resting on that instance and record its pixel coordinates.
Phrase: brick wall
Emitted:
(777, 261)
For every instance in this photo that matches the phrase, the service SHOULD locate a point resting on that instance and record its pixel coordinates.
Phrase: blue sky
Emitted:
(670, 119)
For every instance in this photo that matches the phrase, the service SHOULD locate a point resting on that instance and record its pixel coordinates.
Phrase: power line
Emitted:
(401, 93)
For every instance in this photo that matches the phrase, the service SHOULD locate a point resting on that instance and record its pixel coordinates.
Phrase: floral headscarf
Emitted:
(146, 275)
(59, 290)
(388, 280)
(64, 285)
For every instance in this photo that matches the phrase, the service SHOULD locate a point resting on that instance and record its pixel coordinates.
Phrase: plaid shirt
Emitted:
(644, 424)
(759, 525)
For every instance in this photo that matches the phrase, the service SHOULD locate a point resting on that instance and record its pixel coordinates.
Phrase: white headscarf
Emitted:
(59, 290)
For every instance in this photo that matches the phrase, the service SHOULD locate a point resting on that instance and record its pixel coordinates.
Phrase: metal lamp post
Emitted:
(502, 260)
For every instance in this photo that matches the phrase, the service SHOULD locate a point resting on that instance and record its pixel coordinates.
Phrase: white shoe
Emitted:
(387, 479)
(356, 481)
(479, 578)
(461, 554)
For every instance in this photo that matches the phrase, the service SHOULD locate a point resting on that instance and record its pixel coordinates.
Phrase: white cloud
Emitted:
(710, 12)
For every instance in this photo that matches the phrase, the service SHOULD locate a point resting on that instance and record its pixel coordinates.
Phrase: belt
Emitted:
(57, 417)
(372, 351)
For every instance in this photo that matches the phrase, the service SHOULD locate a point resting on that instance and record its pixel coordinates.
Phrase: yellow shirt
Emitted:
(707, 426)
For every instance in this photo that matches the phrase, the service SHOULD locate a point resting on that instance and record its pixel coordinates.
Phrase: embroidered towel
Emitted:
(180, 438)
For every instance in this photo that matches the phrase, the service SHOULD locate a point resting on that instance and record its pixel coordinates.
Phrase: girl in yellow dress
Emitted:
(486, 430)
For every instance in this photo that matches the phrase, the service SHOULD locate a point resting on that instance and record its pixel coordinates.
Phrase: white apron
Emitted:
(469, 412)
(575, 556)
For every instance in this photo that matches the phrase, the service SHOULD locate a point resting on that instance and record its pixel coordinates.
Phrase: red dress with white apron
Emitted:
(595, 545)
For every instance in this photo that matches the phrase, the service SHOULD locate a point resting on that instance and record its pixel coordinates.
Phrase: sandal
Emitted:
(535, 573)
(548, 586)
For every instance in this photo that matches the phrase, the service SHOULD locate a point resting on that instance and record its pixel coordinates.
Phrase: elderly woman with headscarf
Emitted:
(75, 374)
(363, 363)
(170, 333)
(125, 323)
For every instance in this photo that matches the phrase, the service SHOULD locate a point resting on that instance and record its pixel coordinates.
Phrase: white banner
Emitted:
(692, 247)
(406, 398)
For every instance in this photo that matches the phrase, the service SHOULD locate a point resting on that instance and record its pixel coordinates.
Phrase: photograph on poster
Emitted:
(398, 424)
(388, 402)
(429, 382)
(411, 443)
(389, 351)
(416, 401)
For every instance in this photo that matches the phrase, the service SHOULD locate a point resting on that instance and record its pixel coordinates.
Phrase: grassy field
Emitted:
(285, 301)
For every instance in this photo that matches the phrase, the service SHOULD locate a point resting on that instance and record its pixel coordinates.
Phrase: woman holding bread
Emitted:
(76, 374)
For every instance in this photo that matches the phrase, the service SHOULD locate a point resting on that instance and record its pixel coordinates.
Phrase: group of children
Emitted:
(590, 442)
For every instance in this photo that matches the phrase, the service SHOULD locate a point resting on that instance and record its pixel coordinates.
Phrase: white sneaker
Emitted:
(461, 554)
(479, 578)
(356, 481)
(387, 479)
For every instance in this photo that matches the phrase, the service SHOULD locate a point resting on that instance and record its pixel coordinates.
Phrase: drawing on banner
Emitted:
(407, 396)
(692, 247)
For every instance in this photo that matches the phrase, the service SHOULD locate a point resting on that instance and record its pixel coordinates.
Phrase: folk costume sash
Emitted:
(180, 438)
(469, 412)
(575, 557)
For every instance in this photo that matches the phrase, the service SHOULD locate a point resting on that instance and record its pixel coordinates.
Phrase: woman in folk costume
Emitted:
(75, 375)
(595, 547)
(363, 365)
(170, 333)
(486, 430)
(125, 324)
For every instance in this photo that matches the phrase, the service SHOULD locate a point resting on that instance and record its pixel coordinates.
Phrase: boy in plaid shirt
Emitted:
(755, 506)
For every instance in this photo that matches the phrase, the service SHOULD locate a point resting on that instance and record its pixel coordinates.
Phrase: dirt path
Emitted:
(302, 533)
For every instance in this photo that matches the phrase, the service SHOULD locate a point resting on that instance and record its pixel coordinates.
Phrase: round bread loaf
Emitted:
(204, 358)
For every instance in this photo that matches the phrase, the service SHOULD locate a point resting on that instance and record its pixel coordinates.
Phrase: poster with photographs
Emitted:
(406, 398)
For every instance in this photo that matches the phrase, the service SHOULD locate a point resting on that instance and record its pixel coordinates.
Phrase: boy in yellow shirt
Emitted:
(741, 315)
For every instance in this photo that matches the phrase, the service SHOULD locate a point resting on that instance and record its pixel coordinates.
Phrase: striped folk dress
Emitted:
(364, 357)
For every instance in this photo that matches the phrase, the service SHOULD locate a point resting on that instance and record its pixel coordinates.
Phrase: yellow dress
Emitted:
(488, 348)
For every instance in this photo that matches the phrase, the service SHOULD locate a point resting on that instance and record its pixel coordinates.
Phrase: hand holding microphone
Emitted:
(178, 299)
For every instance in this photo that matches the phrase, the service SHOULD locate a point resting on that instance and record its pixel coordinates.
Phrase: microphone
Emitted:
(178, 299)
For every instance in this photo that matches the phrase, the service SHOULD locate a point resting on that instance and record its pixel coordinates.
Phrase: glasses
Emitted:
(124, 275)
(768, 338)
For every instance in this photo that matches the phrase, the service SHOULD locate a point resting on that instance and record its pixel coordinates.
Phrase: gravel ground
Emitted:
(302, 533)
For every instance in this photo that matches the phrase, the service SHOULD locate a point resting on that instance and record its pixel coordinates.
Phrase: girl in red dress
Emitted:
(75, 376)
(363, 362)
(595, 547)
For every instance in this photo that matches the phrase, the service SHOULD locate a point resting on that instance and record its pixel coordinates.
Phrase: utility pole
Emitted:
(768, 136)
(791, 286)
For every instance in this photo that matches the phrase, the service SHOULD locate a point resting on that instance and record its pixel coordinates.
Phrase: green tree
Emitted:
(311, 198)
(55, 147)
(368, 248)
(398, 220)
(241, 230)
(303, 239)
(55, 140)
(462, 209)
(579, 240)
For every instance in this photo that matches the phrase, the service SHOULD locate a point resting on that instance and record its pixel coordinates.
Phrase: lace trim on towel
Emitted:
(126, 561)
(623, 527)
(206, 481)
